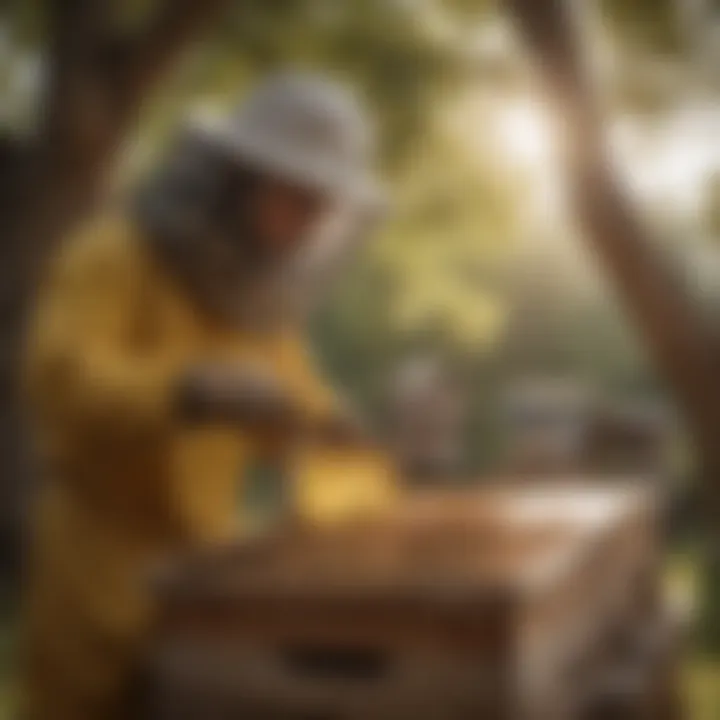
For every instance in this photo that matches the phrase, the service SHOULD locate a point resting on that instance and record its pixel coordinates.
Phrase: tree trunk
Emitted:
(708, 631)
(652, 291)
(49, 197)
(99, 78)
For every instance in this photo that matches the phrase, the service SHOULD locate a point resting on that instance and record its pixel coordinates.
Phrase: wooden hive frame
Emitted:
(419, 615)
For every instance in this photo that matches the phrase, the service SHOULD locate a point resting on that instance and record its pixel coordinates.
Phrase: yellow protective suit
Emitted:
(124, 482)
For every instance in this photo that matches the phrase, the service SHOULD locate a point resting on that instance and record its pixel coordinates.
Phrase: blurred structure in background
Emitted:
(561, 426)
(548, 421)
(427, 417)
(630, 439)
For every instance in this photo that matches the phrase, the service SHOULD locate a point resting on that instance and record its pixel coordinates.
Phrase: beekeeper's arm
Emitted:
(98, 362)
(103, 364)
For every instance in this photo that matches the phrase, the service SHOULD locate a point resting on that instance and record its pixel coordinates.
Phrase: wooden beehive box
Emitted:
(483, 604)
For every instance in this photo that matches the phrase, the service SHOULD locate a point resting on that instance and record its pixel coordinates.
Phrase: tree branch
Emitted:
(554, 32)
(175, 23)
(16, 158)
(650, 289)
(77, 30)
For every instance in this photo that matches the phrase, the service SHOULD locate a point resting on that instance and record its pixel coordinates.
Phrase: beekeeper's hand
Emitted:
(246, 396)
(344, 429)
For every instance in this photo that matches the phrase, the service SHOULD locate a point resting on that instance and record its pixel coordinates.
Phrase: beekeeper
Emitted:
(165, 355)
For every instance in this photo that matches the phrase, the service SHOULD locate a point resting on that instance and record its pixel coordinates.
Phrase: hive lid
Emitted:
(451, 546)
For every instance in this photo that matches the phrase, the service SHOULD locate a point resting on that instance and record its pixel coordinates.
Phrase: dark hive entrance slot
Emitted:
(336, 663)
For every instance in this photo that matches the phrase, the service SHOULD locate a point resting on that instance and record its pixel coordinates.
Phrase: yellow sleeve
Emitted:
(95, 361)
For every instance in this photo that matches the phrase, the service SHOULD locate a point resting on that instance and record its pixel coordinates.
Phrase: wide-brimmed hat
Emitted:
(307, 130)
